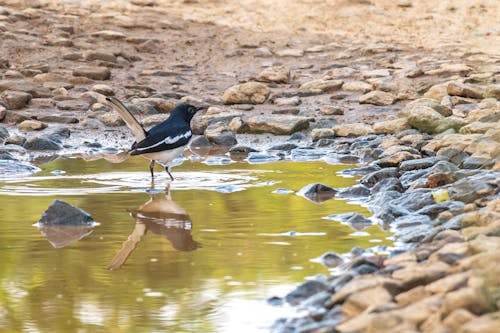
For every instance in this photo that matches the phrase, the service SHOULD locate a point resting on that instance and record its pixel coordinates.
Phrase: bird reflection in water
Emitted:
(161, 215)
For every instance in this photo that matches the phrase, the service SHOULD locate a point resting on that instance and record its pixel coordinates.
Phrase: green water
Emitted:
(247, 252)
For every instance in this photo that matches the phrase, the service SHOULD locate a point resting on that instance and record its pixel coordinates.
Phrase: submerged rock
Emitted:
(317, 192)
(61, 213)
(12, 168)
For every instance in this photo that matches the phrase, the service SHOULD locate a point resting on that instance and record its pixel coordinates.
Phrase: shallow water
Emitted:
(210, 271)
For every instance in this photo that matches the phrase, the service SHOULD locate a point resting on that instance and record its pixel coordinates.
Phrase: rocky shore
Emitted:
(423, 124)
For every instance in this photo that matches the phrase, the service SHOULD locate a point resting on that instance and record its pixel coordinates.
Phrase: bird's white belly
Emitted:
(165, 156)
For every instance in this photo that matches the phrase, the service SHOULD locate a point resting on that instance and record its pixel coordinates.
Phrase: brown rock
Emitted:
(94, 73)
(330, 110)
(413, 276)
(15, 100)
(488, 323)
(31, 125)
(364, 282)
(277, 74)
(103, 89)
(457, 318)
(418, 312)
(246, 93)
(412, 296)
(357, 86)
(391, 126)
(355, 129)
(274, 124)
(109, 35)
(321, 85)
(448, 283)
(468, 298)
(367, 298)
(464, 90)
(111, 119)
(322, 133)
(450, 69)
(377, 98)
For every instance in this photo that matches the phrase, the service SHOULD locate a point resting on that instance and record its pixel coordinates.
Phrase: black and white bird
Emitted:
(163, 142)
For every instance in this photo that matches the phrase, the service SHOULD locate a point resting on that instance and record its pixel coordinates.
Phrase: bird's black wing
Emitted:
(163, 138)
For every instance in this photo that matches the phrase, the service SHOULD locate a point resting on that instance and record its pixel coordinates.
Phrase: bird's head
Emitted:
(186, 111)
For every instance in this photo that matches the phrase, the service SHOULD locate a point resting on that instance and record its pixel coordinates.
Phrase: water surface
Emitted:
(230, 244)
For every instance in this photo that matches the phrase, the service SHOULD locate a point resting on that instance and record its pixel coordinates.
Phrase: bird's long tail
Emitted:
(127, 247)
(127, 116)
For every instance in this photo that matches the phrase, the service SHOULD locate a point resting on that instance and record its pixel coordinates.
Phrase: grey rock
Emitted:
(35, 90)
(356, 191)
(317, 192)
(219, 134)
(61, 213)
(421, 163)
(474, 187)
(304, 291)
(41, 143)
(387, 184)
(4, 133)
(73, 105)
(374, 177)
(331, 259)
(435, 209)
(13, 168)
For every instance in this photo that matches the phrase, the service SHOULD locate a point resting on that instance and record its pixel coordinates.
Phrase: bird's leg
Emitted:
(151, 169)
(167, 169)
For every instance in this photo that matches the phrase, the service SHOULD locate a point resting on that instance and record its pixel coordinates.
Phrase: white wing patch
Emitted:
(168, 140)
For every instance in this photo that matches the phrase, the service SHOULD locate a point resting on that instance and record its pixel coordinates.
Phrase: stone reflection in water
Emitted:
(63, 224)
(162, 216)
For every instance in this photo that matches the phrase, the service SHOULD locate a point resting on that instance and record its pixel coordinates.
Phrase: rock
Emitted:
(360, 301)
(304, 291)
(277, 74)
(330, 110)
(4, 133)
(373, 178)
(94, 73)
(317, 192)
(396, 158)
(31, 125)
(487, 323)
(60, 213)
(15, 139)
(464, 90)
(479, 127)
(100, 55)
(412, 296)
(219, 134)
(108, 35)
(355, 129)
(111, 119)
(274, 124)
(437, 91)
(467, 298)
(391, 126)
(246, 93)
(450, 69)
(330, 259)
(296, 53)
(357, 86)
(428, 102)
(377, 97)
(41, 143)
(321, 133)
(159, 104)
(73, 105)
(457, 318)
(12, 168)
(354, 220)
(429, 121)
(375, 73)
(103, 89)
(288, 101)
(448, 283)
(421, 163)
(321, 85)
(14, 100)
(356, 191)
(492, 91)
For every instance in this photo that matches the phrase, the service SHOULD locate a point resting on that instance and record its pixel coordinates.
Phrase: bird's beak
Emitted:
(199, 108)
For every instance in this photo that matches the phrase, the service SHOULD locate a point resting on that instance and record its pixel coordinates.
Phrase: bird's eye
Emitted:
(191, 109)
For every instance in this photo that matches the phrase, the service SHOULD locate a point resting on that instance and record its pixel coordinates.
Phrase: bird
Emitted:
(163, 142)
(162, 216)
